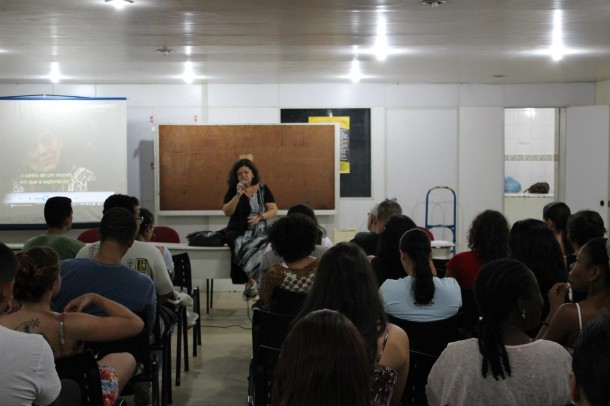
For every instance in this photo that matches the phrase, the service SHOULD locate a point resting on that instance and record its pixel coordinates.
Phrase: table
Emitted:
(207, 263)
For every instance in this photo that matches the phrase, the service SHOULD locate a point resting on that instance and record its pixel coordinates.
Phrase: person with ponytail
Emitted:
(503, 366)
(555, 215)
(421, 295)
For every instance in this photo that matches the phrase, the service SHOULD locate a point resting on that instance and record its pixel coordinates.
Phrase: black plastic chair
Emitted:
(183, 279)
(470, 315)
(286, 302)
(164, 327)
(427, 340)
(269, 330)
(143, 351)
(83, 369)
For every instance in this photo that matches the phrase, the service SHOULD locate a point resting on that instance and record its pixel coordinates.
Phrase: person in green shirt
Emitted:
(58, 216)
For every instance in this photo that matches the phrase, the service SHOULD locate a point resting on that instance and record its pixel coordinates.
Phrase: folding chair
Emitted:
(183, 280)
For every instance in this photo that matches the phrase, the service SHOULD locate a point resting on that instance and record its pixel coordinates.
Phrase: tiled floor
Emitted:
(218, 375)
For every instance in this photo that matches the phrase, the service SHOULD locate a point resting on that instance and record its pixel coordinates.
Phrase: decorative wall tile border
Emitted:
(531, 158)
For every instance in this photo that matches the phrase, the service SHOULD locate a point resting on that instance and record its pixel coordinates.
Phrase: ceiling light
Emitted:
(557, 49)
(119, 4)
(381, 42)
(355, 74)
(54, 76)
(188, 76)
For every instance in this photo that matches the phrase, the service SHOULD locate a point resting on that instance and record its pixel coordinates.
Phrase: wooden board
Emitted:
(297, 162)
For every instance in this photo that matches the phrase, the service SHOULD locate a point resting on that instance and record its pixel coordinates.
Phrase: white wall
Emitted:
(464, 149)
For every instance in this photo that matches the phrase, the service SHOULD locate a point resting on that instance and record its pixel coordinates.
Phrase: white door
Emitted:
(586, 159)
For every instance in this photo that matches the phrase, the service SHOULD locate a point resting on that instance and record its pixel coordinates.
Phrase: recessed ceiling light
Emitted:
(433, 3)
(119, 4)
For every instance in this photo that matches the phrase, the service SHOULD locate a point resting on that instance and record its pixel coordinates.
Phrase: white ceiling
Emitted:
(301, 41)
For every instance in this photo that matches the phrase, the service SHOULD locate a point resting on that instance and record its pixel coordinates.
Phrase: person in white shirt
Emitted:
(28, 373)
(503, 366)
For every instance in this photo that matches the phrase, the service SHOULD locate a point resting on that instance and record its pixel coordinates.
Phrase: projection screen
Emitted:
(55, 146)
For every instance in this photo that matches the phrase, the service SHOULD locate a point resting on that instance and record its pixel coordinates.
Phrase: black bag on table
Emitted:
(206, 238)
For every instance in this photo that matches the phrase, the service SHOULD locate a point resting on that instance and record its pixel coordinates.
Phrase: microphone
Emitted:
(243, 182)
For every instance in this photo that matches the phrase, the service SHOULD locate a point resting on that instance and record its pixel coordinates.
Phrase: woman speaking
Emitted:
(249, 204)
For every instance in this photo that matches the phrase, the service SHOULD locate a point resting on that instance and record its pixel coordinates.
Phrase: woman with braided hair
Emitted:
(503, 366)
(421, 295)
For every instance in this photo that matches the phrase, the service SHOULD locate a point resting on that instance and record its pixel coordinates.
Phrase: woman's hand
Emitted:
(557, 294)
(255, 219)
(81, 302)
(241, 188)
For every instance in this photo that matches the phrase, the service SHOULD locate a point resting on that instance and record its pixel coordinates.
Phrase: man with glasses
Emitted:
(376, 220)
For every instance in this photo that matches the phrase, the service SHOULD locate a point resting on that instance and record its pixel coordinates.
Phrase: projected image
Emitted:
(44, 170)
(73, 148)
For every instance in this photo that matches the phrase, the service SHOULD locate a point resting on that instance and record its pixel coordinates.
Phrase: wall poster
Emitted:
(355, 144)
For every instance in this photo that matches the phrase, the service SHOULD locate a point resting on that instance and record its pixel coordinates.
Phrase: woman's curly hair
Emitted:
(488, 235)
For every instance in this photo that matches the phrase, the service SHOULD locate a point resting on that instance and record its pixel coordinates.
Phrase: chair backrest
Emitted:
(286, 302)
(182, 272)
(428, 232)
(88, 236)
(429, 337)
(269, 329)
(470, 314)
(83, 369)
(426, 341)
(165, 234)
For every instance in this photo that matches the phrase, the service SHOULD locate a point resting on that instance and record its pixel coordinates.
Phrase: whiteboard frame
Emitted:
(218, 213)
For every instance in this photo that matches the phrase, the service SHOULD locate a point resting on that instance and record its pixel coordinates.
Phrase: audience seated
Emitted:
(377, 218)
(271, 258)
(345, 282)
(583, 226)
(421, 295)
(590, 274)
(293, 238)
(145, 234)
(323, 362)
(555, 215)
(141, 256)
(533, 243)
(487, 240)
(302, 208)
(387, 263)
(58, 216)
(28, 373)
(104, 273)
(503, 366)
(591, 365)
(36, 283)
